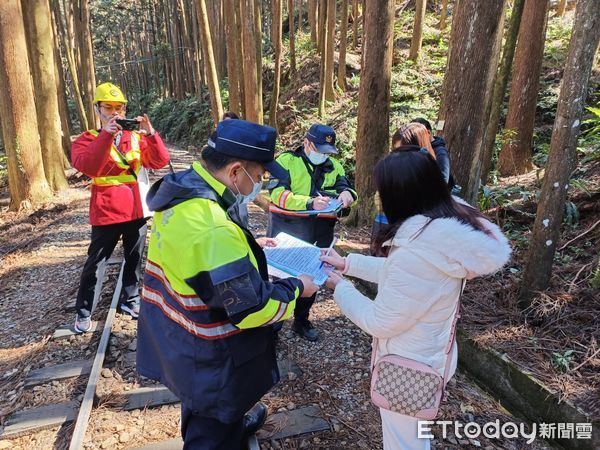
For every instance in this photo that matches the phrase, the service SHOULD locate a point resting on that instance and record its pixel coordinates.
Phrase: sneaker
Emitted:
(131, 308)
(305, 330)
(82, 324)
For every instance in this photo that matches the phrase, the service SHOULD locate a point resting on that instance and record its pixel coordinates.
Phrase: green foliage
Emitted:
(491, 197)
(590, 150)
(303, 45)
(594, 121)
(562, 361)
(540, 158)
(518, 237)
(182, 121)
(571, 214)
(547, 102)
(416, 88)
(354, 81)
(580, 185)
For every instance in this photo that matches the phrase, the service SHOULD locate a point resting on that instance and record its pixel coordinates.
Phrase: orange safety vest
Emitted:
(128, 162)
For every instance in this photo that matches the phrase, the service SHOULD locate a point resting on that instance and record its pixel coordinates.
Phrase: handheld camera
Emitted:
(128, 124)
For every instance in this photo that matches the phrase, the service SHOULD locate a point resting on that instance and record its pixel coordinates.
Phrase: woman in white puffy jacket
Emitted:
(433, 242)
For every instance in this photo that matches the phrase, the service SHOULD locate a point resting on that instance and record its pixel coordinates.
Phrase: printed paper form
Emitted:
(295, 257)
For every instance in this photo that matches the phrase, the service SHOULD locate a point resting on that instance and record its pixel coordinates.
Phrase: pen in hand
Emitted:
(328, 251)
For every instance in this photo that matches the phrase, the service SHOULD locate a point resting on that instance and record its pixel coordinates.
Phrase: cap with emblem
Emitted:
(323, 137)
(108, 92)
(249, 141)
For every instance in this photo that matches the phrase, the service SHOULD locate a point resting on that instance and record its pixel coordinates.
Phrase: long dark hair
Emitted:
(409, 184)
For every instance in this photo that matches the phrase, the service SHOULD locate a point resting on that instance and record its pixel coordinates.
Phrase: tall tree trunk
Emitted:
(561, 8)
(312, 20)
(87, 68)
(68, 41)
(189, 76)
(341, 76)
(472, 66)
(515, 157)
(213, 84)
(500, 89)
(174, 34)
(26, 180)
(417, 37)
(355, 15)
(239, 24)
(197, 53)
(291, 35)
(329, 50)
(250, 64)
(222, 60)
(277, 18)
(443, 15)
(322, 40)
(562, 158)
(322, 17)
(258, 46)
(61, 89)
(38, 26)
(232, 52)
(372, 138)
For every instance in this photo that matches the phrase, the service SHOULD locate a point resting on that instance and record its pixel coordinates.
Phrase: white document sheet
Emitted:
(294, 257)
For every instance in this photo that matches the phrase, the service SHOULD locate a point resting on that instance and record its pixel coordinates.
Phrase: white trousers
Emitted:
(400, 432)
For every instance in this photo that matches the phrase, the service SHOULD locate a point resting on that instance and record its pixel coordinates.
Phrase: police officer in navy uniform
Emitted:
(205, 326)
(313, 178)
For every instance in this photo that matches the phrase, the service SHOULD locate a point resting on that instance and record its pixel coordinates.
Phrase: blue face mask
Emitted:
(252, 195)
(317, 158)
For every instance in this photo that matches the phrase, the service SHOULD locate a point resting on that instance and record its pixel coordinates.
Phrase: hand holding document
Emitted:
(294, 257)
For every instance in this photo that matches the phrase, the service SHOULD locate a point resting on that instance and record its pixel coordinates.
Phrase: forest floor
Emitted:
(41, 255)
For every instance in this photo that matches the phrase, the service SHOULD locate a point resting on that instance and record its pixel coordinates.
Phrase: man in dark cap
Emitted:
(205, 326)
(313, 179)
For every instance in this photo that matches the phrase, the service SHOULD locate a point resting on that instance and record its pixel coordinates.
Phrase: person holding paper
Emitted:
(432, 243)
(313, 180)
(205, 327)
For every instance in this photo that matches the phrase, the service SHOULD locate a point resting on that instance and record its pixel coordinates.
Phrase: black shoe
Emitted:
(255, 418)
(305, 330)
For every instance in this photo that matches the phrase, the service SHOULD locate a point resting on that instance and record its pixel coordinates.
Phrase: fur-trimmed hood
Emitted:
(455, 248)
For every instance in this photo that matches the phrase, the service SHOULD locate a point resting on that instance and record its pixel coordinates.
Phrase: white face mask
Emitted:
(255, 190)
(317, 158)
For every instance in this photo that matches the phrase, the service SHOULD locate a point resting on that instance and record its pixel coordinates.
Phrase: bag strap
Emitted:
(449, 347)
(124, 161)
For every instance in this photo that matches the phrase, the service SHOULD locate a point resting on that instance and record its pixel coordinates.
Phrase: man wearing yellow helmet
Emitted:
(112, 158)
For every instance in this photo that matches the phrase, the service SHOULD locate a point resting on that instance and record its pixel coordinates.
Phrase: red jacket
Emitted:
(118, 203)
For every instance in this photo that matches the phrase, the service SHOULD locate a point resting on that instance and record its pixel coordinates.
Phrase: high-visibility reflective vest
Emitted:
(207, 304)
(293, 194)
(129, 162)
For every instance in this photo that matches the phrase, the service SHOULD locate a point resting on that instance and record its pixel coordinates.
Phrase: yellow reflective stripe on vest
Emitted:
(132, 157)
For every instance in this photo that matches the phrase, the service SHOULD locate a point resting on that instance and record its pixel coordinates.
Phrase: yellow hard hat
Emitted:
(108, 92)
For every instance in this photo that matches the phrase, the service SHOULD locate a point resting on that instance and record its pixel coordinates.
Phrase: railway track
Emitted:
(78, 414)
